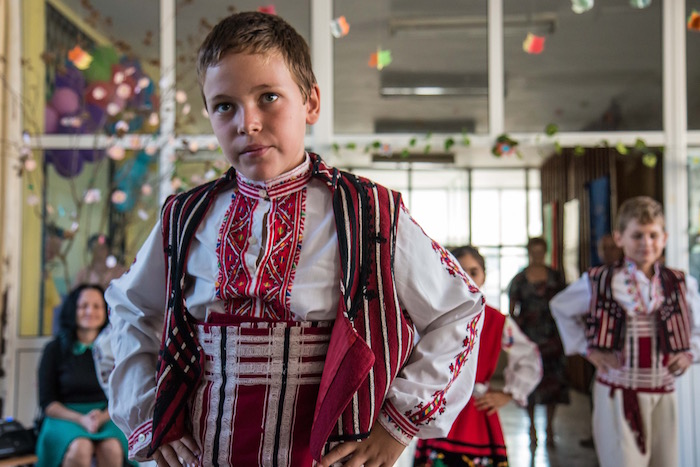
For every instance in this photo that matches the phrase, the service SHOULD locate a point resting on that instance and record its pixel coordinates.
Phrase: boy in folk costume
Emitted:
(268, 318)
(638, 322)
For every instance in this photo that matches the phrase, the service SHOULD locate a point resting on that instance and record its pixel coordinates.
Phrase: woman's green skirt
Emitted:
(56, 435)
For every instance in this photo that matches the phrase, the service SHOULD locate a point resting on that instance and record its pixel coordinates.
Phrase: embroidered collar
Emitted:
(640, 304)
(282, 185)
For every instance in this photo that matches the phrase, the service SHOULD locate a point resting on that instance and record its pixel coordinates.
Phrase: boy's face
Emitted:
(642, 243)
(258, 113)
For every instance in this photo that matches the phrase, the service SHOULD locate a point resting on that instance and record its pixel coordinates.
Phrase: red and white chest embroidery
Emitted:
(261, 288)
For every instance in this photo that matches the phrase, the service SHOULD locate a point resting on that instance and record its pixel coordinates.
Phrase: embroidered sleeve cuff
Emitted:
(396, 424)
(140, 440)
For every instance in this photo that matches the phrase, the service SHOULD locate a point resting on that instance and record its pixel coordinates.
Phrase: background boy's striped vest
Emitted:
(606, 321)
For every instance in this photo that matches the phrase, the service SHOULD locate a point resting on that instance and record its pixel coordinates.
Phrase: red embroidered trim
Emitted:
(426, 413)
(399, 422)
(272, 283)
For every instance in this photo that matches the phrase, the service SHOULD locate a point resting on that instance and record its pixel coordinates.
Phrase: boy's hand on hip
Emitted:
(678, 363)
(380, 449)
(604, 361)
(179, 453)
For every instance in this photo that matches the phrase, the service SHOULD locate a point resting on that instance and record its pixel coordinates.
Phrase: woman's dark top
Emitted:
(65, 377)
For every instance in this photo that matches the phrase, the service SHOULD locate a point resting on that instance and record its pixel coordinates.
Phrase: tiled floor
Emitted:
(571, 424)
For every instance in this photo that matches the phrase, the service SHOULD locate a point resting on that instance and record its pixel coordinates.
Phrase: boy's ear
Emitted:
(313, 105)
(617, 236)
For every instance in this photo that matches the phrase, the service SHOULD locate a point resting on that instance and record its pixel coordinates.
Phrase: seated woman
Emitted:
(76, 426)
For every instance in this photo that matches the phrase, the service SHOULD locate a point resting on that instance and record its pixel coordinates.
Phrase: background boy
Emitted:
(282, 334)
(641, 330)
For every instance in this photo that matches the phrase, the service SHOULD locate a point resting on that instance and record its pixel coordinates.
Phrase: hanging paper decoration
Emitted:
(380, 59)
(581, 6)
(505, 146)
(694, 21)
(92, 196)
(340, 27)
(533, 44)
(118, 197)
(116, 153)
(80, 58)
(269, 9)
(640, 3)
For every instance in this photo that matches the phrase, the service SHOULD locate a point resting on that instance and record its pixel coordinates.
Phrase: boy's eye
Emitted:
(223, 107)
(270, 97)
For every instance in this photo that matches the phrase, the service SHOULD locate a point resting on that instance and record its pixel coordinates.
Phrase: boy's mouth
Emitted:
(254, 150)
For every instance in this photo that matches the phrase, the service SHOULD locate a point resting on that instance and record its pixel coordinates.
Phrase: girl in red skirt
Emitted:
(476, 437)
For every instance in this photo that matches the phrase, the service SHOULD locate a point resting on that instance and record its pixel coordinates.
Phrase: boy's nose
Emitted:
(249, 122)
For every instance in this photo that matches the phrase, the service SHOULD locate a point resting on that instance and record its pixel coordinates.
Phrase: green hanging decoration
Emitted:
(551, 129)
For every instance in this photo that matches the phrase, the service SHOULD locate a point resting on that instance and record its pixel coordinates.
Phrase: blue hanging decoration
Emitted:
(581, 6)
(640, 3)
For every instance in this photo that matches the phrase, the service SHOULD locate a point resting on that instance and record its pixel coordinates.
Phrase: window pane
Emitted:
(492, 286)
(599, 71)
(194, 21)
(437, 80)
(498, 178)
(394, 179)
(486, 217)
(107, 83)
(118, 200)
(534, 227)
(513, 214)
(694, 210)
(692, 46)
(513, 260)
(533, 178)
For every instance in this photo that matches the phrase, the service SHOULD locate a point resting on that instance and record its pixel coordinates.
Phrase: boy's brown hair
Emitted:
(253, 32)
(643, 209)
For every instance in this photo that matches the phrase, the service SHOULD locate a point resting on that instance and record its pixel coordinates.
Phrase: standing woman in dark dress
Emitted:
(529, 293)
(76, 425)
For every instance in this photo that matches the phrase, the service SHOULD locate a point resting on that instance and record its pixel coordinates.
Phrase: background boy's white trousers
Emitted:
(614, 440)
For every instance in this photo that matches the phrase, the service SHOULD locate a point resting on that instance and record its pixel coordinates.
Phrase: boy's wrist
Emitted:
(398, 426)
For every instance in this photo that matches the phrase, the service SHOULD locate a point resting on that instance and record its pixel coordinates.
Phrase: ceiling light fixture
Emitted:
(541, 23)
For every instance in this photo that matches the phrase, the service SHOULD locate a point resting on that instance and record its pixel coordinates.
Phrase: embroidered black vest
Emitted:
(605, 324)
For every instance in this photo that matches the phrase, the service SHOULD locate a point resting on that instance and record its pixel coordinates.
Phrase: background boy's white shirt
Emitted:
(439, 304)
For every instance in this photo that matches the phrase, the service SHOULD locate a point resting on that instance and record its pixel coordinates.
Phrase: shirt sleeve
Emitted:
(48, 374)
(103, 357)
(137, 308)
(523, 371)
(446, 309)
(693, 301)
(569, 308)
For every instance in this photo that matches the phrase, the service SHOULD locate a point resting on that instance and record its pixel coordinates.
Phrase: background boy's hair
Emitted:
(460, 251)
(253, 32)
(643, 209)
